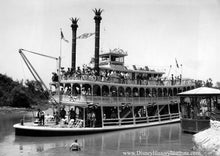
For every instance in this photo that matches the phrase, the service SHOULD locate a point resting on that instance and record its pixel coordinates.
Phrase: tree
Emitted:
(199, 83)
(19, 98)
(15, 94)
(33, 86)
(217, 84)
(209, 83)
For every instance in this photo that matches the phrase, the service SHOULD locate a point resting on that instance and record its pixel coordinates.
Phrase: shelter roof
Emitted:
(115, 67)
(201, 91)
(125, 69)
(114, 52)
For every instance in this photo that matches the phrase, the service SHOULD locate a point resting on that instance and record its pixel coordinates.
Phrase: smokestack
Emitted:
(97, 19)
(74, 27)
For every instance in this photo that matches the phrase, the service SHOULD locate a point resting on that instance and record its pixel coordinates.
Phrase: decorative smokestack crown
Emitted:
(97, 14)
(98, 11)
(74, 22)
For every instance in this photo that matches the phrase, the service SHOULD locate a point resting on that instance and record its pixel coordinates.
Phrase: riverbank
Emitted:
(8, 110)
(208, 141)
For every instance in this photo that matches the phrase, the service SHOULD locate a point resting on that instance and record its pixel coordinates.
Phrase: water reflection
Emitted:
(6, 122)
(158, 138)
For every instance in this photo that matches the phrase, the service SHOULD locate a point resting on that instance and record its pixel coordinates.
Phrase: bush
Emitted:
(19, 97)
(15, 94)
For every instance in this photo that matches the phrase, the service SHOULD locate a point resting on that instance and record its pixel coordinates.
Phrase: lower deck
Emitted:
(82, 117)
(30, 129)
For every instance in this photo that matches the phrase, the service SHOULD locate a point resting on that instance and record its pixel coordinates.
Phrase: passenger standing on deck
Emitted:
(172, 79)
(89, 119)
(55, 110)
(62, 113)
(93, 116)
(42, 117)
(38, 114)
(72, 114)
(56, 117)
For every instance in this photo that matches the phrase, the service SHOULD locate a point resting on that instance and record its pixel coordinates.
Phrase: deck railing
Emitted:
(140, 120)
(117, 121)
(130, 81)
(106, 100)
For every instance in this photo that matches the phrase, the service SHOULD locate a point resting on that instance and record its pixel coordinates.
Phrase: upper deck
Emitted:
(113, 70)
(116, 80)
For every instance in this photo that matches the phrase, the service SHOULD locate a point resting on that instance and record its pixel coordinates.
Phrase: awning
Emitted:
(125, 69)
(201, 91)
(115, 68)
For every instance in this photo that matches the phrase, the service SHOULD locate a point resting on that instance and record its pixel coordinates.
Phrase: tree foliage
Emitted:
(207, 83)
(15, 94)
(217, 85)
(19, 97)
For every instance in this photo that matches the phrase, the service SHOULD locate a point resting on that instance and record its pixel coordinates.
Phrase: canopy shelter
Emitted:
(202, 91)
(198, 106)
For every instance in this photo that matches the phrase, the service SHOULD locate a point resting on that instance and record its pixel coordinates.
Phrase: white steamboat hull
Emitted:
(28, 129)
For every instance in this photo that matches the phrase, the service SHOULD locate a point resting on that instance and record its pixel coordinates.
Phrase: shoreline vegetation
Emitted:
(21, 96)
(21, 110)
(8, 109)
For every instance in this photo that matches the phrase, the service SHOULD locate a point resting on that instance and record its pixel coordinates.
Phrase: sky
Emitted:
(152, 32)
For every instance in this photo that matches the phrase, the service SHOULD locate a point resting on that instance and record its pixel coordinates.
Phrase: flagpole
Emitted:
(181, 69)
(60, 43)
(59, 68)
(169, 72)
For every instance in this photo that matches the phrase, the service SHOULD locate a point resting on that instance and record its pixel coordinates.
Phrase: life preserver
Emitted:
(94, 78)
(84, 77)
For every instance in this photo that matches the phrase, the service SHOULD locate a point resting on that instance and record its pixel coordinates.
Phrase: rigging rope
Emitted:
(22, 66)
(34, 73)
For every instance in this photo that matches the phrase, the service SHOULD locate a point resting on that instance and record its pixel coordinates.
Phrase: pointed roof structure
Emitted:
(201, 91)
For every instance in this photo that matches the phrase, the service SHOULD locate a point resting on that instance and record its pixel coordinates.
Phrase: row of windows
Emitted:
(104, 90)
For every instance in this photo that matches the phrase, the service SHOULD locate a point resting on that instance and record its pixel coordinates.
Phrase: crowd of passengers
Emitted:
(70, 118)
(87, 73)
(62, 117)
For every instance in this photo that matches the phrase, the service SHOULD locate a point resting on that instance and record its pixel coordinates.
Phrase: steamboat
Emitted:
(108, 96)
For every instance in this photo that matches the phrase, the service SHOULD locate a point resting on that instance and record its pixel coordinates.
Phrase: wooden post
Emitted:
(179, 109)
(158, 111)
(102, 115)
(84, 117)
(147, 117)
(133, 115)
(169, 110)
(119, 118)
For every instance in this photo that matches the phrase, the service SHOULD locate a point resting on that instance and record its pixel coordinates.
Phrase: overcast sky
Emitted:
(153, 32)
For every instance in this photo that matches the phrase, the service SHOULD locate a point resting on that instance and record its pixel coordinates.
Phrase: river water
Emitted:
(157, 140)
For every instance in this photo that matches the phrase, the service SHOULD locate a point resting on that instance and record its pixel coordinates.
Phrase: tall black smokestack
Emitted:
(74, 27)
(97, 19)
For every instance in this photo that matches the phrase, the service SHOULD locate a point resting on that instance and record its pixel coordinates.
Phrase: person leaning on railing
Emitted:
(109, 76)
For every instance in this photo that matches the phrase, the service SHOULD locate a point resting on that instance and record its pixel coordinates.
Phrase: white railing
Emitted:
(140, 120)
(117, 100)
(117, 79)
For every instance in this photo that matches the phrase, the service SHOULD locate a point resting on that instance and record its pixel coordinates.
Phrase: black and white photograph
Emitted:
(110, 77)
